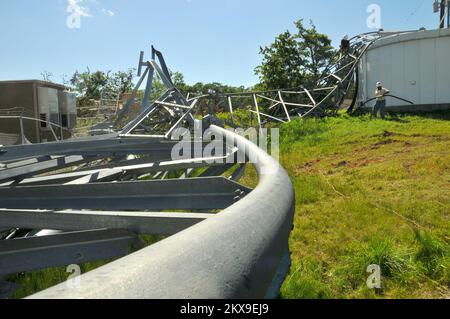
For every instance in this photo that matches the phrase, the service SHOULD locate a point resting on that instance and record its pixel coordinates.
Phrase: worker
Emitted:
(345, 45)
(380, 105)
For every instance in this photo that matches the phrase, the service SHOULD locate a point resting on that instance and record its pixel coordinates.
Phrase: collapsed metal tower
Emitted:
(338, 82)
(83, 200)
(97, 195)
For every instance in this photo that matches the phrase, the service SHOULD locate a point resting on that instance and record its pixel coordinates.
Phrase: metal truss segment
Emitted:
(136, 222)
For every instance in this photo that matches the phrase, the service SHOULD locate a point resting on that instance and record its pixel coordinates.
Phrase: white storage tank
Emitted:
(48, 107)
(413, 66)
(68, 109)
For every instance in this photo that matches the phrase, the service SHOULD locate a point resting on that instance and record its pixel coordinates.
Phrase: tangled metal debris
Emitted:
(84, 200)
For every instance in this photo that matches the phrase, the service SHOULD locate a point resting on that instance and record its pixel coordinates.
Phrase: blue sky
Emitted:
(206, 40)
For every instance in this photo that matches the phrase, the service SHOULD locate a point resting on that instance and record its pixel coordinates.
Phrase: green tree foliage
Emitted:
(196, 89)
(282, 64)
(47, 76)
(93, 85)
(96, 85)
(158, 87)
(295, 60)
(319, 51)
(212, 88)
(121, 81)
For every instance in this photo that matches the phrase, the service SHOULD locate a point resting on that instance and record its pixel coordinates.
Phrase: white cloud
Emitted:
(75, 7)
(108, 12)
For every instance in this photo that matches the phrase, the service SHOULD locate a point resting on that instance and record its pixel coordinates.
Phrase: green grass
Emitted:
(368, 192)
(36, 281)
(33, 282)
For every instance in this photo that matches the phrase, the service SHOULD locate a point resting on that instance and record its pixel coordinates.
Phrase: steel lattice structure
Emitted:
(101, 207)
(338, 81)
(173, 110)
(98, 194)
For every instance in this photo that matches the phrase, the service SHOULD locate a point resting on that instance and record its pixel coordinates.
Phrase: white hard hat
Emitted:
(379, 84)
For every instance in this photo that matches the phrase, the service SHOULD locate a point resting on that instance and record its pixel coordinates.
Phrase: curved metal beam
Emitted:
(236, 254)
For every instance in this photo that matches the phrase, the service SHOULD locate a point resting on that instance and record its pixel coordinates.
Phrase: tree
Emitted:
(211, 88)
(295, 60)
(121, 82)
(90, 85)
(282, 65)
(93, 85)
(318, 48)
(197, 89)
(47, 76)
(158, 87)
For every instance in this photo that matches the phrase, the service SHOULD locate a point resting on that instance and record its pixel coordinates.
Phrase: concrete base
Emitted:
(12, 139)
(416, 108)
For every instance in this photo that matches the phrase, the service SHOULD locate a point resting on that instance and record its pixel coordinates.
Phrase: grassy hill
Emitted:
(369, 192)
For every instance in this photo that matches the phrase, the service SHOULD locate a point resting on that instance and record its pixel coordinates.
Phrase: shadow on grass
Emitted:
(436, 115)
(397, 118)
(440, 115)
(400, 116)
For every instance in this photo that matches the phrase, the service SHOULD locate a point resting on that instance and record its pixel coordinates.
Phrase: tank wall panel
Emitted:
(443, 70)
(398, 83)
(427, 64)
(412, 74)
(417, 70)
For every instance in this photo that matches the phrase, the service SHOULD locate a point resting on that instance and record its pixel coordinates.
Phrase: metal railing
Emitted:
(21, 116)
